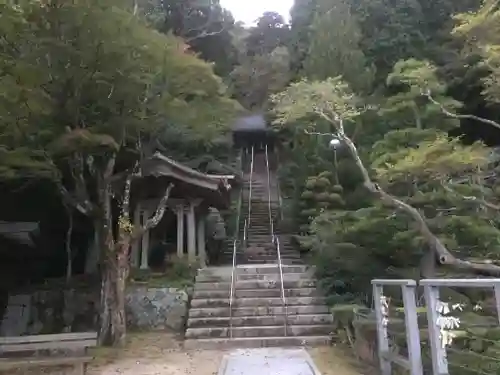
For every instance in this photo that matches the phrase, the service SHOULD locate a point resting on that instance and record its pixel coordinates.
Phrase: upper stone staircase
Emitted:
(270, 305)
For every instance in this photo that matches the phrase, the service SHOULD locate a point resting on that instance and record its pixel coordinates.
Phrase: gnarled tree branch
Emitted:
(441, 253)
(156, 218)
(474, 199)
(204, 34)
(428, 95)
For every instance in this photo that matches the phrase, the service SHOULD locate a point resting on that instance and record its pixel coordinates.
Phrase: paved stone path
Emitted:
(268, 361)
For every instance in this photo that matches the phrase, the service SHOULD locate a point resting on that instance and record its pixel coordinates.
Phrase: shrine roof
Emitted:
(159, 170)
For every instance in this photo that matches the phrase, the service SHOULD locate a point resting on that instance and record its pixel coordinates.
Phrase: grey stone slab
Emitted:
(268, 361)
(16, 317)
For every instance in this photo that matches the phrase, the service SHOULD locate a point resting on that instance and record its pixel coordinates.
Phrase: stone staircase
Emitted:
(257, 314)
(259, 231)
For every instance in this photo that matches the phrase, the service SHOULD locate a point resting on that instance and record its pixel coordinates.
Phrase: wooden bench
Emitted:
(34, 351)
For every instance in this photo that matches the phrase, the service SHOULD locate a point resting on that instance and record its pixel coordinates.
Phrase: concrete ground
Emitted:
(162, 354)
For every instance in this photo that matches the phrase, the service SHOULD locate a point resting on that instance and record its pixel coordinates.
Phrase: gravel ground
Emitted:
(162, 354)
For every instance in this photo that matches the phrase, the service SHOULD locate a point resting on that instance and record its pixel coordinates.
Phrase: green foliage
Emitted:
(203, 24)
(100, 86)
(409, 106)
(335, 46)
(259, 76)
(180, 273)
(480, 28)
(402, 139)
(328, 100)
(438, 159)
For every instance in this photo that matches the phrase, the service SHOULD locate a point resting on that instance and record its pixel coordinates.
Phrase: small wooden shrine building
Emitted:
(192, 195)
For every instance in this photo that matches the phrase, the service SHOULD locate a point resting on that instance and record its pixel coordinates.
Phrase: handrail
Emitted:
(283, 299)
(271, 224)
(235, 242)
(245, 230)
(275, 240)
(250, 190)
(232, 292)
(278, 187)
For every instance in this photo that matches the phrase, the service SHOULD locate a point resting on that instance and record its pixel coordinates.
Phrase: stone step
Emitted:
(253, 293)
(267, 236)
(256, 342)
(266, 246)
(271, 257)
(260, 331)
(256, 284)
(266, 269)
(274, 276)
(267, 277)
(284, 254)
(271, 269)
(256, 301)
(206, 312)
(263, 320)
(257, 261)
(261, 259)
(283, 261)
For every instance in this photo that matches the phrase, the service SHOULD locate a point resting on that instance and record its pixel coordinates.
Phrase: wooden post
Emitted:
(134, 254)
(191, 231)
(180, 230)
(201, 241)
(145, 242)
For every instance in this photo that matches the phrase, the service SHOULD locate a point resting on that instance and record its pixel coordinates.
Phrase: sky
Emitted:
(249, 10)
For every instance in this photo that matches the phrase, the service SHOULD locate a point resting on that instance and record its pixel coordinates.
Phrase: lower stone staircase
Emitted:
(258, 315)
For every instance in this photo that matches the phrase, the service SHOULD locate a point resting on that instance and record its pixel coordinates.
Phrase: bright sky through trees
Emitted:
(249, 10)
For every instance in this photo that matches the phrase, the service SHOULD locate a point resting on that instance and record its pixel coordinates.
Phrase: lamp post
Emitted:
(334, 145)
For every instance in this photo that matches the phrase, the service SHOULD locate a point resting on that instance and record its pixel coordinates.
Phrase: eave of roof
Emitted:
(213, 188)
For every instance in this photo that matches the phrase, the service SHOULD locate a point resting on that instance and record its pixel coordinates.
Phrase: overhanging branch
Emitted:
(442, 254)
(474, 199)
(428, 95)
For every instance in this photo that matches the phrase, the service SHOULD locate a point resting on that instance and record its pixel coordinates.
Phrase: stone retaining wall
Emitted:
(156, 308)
(45, 311)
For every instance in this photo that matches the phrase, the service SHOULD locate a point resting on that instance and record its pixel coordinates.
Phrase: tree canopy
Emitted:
(88, 90)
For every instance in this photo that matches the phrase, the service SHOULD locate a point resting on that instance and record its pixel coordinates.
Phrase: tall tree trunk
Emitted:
(115, 272)
(69, 253)
(113, 324)
(112, 328)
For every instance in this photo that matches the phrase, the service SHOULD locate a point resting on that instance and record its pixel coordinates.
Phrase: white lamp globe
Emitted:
(334, 143)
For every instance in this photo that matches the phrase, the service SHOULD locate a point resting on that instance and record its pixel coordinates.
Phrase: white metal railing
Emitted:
(276, 242)
(231, 297)
(245, 230)
(271, 224)
(278, 188)
(235, 247)
(250, 190)
(283, 299)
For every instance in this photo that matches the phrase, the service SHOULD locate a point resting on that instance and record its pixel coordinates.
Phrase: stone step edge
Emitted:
(260, 328)
(283, 341)
(274, 326)
(221, 318)
(293, 298)
(226, 317)
(239, 308)
(259, 290)
(240, 284)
